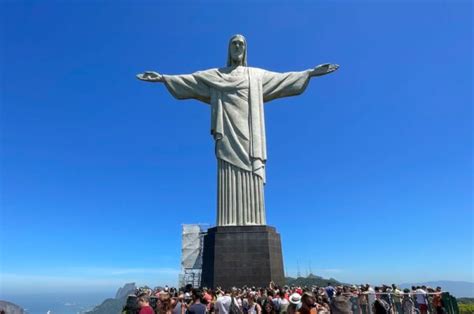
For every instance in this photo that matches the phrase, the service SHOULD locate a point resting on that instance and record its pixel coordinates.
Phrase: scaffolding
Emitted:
(191, 254)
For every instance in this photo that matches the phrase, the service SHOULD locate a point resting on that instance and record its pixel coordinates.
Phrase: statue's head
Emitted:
(237, 54)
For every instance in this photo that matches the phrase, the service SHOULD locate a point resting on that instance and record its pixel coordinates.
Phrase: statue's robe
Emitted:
(238, 127)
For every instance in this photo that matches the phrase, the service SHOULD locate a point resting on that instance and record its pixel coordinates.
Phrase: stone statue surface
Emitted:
(236, 94)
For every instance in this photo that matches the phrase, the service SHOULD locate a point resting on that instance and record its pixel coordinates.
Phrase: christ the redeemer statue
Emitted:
(236, 94)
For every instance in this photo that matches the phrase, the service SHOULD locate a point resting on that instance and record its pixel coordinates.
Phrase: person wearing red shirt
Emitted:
(208, 298)
(144, 304)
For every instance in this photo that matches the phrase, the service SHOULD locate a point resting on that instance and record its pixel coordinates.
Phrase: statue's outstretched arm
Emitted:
(324, 69)
(182, 86)
(151, 76)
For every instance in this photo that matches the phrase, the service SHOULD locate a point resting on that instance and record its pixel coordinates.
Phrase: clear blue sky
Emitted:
(369, 171)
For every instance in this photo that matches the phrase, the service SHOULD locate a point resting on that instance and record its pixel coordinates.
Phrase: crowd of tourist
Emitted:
(363, 299)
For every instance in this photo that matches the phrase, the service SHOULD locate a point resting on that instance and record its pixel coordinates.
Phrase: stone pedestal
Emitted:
(242, 255)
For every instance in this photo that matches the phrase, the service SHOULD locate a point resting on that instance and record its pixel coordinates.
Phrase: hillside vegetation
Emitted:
(311, 280)
(466, 305)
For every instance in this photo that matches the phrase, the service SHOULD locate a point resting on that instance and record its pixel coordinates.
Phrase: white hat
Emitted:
(295, 298)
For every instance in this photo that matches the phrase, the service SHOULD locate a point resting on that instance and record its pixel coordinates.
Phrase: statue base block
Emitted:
(242, 255)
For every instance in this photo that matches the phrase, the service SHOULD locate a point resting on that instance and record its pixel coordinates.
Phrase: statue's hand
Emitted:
(324, 69)
(150, 76)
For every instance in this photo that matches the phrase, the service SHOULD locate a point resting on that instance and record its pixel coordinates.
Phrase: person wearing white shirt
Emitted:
(420, 295)
(223, 303)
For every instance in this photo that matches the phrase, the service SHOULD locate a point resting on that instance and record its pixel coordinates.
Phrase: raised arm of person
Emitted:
(277, 85)
(186, 86)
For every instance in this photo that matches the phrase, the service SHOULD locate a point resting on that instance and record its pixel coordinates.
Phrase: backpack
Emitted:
(234, 308)
(381, 306)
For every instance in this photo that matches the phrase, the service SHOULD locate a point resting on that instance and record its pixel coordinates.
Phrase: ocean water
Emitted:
(57, 303)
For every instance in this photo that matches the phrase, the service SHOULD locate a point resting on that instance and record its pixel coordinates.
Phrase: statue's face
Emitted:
(237, 50)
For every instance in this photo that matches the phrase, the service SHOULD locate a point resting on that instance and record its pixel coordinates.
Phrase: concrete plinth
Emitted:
(242, 255)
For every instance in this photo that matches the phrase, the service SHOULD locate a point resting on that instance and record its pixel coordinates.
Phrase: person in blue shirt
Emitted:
(197, 307)
(330, 291)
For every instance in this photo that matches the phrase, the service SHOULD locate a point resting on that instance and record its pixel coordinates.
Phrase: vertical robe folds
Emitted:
(236, 97)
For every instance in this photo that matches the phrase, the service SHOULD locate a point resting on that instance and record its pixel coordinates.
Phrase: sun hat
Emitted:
(307, 294)
(295, 298)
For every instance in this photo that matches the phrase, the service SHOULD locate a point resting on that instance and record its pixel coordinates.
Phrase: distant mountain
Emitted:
(459, 289)
(109, 306)
(11, 308)
(311, 280)
(127, 289)
(115, 305)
